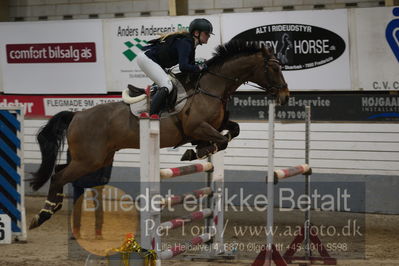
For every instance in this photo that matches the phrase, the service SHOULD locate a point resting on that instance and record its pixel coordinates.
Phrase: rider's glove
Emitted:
(202, 67)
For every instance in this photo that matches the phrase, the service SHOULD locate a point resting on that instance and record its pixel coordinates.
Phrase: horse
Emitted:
(94, 135)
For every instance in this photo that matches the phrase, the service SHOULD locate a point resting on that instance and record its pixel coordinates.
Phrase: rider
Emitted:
(169, 50)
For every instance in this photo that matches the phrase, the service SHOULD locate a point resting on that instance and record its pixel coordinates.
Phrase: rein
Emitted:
(236, 80)
(269, 89)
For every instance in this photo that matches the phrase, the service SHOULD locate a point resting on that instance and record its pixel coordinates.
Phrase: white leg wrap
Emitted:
(50, 203)
(216, 148)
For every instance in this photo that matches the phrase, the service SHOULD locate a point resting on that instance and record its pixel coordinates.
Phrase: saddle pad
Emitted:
(141, 106)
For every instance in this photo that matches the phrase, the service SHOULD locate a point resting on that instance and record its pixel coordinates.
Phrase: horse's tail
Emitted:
(51, 138)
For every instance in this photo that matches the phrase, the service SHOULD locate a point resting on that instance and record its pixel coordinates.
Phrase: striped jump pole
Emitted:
(150, 178)
(291, 171)
(179, 222)
(179, 199)
(12, 170)
(186, 170)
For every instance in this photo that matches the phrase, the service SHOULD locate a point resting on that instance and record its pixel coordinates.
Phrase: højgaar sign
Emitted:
(297, 46)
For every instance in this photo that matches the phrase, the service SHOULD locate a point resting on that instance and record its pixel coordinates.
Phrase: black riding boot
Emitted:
(158, 100)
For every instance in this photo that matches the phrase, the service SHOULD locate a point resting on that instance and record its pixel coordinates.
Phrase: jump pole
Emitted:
(150, 177)
(150, 185)
(270, 187)
(271, 253)
(215, 224)
(306, 237)
(179, 199)
(307, 183)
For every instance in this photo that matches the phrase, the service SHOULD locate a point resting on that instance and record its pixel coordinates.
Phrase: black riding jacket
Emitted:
(175, 49)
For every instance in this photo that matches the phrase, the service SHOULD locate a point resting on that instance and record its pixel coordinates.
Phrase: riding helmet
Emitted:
(201, 24)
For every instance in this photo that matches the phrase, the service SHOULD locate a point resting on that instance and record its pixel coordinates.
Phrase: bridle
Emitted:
(272, 89)
(276, 88)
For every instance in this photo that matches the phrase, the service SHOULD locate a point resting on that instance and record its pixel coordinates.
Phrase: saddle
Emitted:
(137, 98)
(169, 103)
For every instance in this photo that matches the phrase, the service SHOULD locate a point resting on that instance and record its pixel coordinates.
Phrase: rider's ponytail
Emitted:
(163, 37)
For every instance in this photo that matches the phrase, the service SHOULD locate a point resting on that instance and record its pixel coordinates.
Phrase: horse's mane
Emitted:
(223, 52)
(230, 49)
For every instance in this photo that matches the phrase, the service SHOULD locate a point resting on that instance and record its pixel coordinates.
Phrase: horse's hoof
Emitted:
(38, 219)
(34, 223)
(189, 155)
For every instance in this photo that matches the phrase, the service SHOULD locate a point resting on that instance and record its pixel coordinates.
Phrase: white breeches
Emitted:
(154, 71)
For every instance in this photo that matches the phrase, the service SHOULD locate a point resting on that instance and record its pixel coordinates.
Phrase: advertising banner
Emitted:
(312, 46)
(36, 106)
(52, 57)
(325, 107)
(124, 39)
(376, 46)
(243, 106)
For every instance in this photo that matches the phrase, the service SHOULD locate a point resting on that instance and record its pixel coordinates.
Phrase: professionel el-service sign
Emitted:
(312, 46)
(125, 38)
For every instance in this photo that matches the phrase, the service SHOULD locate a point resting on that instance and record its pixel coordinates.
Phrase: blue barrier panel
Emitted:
(12, 169)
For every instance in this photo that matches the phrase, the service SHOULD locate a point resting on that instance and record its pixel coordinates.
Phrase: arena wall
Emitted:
(363, 153)
(63, 9)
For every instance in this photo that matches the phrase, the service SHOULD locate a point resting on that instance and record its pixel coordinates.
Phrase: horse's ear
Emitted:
(264, 49)
(270, 50)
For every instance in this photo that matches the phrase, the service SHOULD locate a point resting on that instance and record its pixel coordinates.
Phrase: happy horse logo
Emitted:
(129, 53)
(392, 33)
(283, 53)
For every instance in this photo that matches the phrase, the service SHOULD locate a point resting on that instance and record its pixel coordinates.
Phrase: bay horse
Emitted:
(94, 135)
